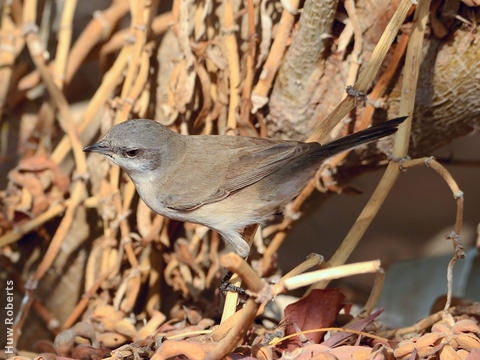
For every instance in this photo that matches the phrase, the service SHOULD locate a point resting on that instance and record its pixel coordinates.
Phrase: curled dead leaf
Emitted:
(442, 327)
(64, 342)
(41, 163)
(111, 339)
(151, 326)
(355, 352)
(26, 201)
(107, 325)
(448, 353)
(182, 83)
(429, 339)
(463, 354)
(125, 327)
(404, 348)
(466, 325)
(362, 355)
(468, 341)
(426, 351)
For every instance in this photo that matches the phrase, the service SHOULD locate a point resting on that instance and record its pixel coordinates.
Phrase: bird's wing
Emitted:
(225, 164)
(247, 161)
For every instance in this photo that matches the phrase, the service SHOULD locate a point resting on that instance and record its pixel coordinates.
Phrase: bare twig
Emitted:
(246, 104)
(375, 292)
(355, 56)
(329, 274)
(233, 65)
(458, 196)
(160, 24)
(64, 38)
(12, 43)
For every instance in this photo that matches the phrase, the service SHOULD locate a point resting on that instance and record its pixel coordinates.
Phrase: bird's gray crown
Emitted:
(137, 133)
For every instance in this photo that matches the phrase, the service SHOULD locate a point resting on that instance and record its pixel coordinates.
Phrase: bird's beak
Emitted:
(98, 147)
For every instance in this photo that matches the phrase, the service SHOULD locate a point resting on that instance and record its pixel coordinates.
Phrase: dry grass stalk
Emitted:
(329, 274)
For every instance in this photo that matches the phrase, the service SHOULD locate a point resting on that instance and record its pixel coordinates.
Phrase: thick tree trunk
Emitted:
(291, 103)
(447, 93)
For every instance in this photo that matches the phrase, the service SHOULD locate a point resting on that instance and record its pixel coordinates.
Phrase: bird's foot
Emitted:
(226, 285)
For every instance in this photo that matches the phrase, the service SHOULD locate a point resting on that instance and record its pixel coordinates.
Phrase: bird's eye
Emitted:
(132, 153)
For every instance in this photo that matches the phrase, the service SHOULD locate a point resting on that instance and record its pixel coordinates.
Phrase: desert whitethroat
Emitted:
(223, 182)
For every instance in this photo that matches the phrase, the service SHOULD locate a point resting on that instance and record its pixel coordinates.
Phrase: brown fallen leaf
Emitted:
(317, 310)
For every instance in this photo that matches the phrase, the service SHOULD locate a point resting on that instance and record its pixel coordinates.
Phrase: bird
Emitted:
(223, 182)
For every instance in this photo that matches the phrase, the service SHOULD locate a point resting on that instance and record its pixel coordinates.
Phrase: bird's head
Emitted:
(137, 145)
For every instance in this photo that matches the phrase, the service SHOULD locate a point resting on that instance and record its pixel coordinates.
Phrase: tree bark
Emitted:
(291, 99)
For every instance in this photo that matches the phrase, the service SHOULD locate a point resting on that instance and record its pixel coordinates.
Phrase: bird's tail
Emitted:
(362, 137)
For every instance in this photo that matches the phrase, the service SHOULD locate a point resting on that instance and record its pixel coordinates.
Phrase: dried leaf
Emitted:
(43, 162)
(317, 310)
(448, 353)
(466, 325)
(468, 341)
(350, 352)
(356, 325)
(125, 327)
(428, 339)
(404, 348)
(111, 339)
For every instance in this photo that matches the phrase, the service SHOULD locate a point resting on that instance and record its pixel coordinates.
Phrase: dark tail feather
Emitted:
(362, 137)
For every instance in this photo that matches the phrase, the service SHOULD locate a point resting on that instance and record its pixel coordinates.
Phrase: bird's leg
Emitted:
(226, 285)
(248, 234)
(231, 299)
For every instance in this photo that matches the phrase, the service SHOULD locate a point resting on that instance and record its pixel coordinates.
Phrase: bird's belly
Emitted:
(234, 212)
